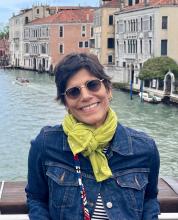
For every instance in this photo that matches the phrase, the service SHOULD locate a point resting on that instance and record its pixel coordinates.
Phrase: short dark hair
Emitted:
(71, 64)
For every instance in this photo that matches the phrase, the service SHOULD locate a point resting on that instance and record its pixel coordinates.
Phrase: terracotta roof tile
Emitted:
(68, 16)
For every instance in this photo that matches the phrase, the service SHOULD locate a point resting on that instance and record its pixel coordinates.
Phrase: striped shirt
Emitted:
(99, 211)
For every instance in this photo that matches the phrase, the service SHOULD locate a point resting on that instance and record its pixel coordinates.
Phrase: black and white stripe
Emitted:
(99, 212)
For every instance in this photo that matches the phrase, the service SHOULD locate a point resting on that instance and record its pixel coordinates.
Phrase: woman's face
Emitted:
(90, 107)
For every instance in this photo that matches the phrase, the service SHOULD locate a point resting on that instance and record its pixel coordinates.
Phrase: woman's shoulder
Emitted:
(137, 137)
(50, 129)
(135, 133)
(49, 136)
(47, 132)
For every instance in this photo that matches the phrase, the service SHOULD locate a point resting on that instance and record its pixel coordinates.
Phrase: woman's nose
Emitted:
(85, 93)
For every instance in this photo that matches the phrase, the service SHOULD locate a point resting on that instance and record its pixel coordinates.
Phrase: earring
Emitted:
(68, 110)
(110, 98)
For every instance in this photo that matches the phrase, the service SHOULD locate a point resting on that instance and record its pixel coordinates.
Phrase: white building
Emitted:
(144, 30)
(16, 30)
(36, 47)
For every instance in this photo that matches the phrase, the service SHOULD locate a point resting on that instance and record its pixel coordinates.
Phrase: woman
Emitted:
(91, 167)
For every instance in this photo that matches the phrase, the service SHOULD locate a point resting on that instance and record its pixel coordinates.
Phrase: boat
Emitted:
(13, 199)
(22, 81)
(147, 97)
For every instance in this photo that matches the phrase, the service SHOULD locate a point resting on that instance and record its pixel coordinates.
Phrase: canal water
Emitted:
(25, 109)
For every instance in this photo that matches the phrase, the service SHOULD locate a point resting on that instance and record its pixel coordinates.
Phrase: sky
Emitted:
(8, 7)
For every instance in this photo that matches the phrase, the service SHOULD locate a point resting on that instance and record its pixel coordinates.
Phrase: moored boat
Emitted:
(145, 96)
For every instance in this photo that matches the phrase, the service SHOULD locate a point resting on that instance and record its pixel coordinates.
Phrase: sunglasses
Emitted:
(92, 86)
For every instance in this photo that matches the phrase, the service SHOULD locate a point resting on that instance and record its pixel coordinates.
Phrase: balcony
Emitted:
(130, 56)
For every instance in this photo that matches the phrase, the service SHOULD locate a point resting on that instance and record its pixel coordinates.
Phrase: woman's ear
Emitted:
(110, 94)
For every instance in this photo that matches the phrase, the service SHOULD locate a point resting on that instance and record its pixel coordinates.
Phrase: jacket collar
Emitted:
(121, 143)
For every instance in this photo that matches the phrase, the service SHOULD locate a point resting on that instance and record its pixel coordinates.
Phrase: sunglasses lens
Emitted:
(94, 85)
(73, 92)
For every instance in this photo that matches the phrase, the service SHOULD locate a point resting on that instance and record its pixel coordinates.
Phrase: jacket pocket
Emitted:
(63, 186)
(133, 186)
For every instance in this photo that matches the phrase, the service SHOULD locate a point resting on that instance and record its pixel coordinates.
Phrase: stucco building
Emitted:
(104, 31)
(16, 26)
(145, 29)
(4, 52)
(48, 39)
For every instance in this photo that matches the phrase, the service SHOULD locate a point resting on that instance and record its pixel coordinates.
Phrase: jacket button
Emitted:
(109, 205)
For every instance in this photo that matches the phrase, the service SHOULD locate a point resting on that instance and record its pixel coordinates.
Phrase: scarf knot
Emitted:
(90, 141)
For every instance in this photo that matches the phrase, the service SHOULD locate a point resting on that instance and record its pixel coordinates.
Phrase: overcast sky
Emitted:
(8, 7)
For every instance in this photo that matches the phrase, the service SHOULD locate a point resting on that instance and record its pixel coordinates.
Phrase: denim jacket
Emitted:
(53, 192)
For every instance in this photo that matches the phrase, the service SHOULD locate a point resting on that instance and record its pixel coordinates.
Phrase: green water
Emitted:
(25, 109)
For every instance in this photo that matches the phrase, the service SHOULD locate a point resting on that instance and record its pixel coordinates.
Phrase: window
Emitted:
(125, 26)
(83, 30)
(124, 64)
(130, 2)
(164, 22)
(86, 43)
(110, 42)
(136, 24)
(61, 48)
(136, 1)
(43, 48)
(61, 31)
(110, 59)
(141, 24)
(110, 19)
(124, 47)
(141, 49)
(26, 49)
(150, 49)
(147, 83)
(92, 43)
(26, 20)
(37, 11)
(92, 32)
(163, 47)
(80, 44)
(150, 23)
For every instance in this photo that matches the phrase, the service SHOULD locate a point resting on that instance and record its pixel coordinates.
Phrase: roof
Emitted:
(111, 4)
(149, 3)
(67, 16)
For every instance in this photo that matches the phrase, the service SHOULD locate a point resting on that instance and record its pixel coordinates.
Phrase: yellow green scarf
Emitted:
(90, 141)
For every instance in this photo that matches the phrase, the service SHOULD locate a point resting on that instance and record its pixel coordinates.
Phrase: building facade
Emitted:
(104, 30)
(49, 39)
(4, 52)
(16, 26)
(144, 30)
